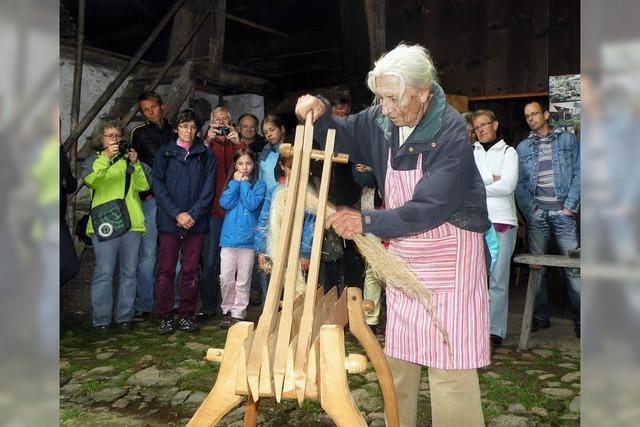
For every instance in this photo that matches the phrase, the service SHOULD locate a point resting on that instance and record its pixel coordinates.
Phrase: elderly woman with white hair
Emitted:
(435, 217)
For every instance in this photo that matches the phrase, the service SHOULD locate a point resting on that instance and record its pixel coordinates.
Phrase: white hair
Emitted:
(413, 65)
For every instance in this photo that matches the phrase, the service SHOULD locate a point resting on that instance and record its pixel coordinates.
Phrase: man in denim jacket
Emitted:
(548, 194)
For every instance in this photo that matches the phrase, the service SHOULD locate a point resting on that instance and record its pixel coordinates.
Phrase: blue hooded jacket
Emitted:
(242, 201)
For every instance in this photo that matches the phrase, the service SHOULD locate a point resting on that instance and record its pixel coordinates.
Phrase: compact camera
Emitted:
(224, 130)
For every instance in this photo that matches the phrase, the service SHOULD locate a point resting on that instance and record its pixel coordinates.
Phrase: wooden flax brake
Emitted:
(297, 348)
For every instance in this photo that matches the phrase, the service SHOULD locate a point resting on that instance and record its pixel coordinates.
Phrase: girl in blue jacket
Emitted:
(242, 199)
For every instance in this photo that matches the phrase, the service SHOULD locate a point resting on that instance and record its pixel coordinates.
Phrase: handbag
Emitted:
(111, 219)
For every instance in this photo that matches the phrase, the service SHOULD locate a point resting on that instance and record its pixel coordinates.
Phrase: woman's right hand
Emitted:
(308, 103)
(237, 175)
(111, 150)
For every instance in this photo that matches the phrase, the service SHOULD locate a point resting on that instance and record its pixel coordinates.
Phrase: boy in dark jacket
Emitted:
(183, 178)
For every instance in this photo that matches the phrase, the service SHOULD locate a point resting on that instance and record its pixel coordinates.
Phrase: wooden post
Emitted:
(75, 97)
(376, 27)
(532, 287)
(115, 84)
(216, 42)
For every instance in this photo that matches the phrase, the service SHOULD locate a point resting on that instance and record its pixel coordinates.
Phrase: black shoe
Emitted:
(125, 326)
(102, 329)
(188, 325)
(496, 340)
(166, 326)
(577, 330)
(538, 324)
(203, 315)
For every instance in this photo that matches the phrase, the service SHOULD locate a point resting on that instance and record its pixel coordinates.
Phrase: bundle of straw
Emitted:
(389, 269)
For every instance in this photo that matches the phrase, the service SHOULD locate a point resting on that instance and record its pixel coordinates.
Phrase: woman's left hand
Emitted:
(233, 135)
(133, 156)
(346, 222)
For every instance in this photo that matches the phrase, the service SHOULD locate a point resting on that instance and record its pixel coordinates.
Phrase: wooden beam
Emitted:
(115, 84)
(509, 96)
(257, 26)
(376, 27)
(293, 55)
(75, 96)
(216, 42)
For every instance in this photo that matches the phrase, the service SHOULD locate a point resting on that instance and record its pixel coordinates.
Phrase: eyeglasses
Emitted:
(188, 127)
(248, 127)
(532, 114)
(220, 119)
(112, 136)
(477, 128)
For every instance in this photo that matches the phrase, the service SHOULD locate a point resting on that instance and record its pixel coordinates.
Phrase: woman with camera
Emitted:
(115, 177)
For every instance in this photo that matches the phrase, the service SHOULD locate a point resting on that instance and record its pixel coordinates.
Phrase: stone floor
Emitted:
(139, 378)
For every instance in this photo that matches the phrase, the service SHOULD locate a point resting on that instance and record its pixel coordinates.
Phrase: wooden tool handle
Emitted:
(355, 363)
(286, 150)
(214, 355)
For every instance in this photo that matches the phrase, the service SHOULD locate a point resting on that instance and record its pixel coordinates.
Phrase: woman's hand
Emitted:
(111, 151)
(233, 135)
(184, 220)
(346, 222)
(237, 175)
(308, 103)
(133, 156)
(263, 263)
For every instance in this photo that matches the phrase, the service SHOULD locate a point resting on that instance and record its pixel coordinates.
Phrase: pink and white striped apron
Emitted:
(451, 263)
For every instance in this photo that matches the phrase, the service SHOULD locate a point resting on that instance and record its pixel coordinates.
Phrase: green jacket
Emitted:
(107, 180)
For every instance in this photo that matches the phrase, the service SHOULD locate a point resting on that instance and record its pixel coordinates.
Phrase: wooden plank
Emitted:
(222, 397)
(532, 287)
(306, 327)
(335, 397)
(260, 27)
(375, 11)
(266, 373)
(509, 96)
(284, 329)
(272, 301)
(459, 102)
(216, 42)
(340, 314)
(359, 328)
(547, 260)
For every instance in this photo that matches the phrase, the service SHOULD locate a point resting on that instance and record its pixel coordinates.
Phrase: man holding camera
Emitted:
(223, 141)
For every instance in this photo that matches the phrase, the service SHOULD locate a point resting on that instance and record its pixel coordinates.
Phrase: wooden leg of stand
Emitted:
(223, 397)
(251, 413)
(359, 328)
(335, 397)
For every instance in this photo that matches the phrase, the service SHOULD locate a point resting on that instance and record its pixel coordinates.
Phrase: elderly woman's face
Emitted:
(403, 111)
(111, 136)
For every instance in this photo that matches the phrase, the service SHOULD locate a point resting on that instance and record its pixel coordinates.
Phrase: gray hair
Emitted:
(105, 123)
(413, 65)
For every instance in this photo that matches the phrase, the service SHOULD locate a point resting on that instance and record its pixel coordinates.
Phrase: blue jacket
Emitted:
(242, 201)
(183, 183)
(565, 159)
(451, 189)
(260, 245)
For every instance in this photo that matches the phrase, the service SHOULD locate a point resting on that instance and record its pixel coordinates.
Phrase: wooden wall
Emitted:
(490, 47)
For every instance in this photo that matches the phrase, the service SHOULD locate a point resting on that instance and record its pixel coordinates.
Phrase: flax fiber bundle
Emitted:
(389, 269)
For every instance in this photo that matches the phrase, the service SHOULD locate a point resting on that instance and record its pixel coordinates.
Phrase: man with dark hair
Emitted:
(146, 138)
(183, 181)
(248, 129)
(341, 106)
(548, 194)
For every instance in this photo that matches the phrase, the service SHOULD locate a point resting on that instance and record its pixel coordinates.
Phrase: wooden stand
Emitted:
(297, 348)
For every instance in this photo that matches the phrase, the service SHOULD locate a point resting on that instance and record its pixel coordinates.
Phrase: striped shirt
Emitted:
(545, 188)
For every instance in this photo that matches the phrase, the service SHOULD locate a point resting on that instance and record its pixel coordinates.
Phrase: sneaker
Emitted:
(166, 326)
(125, 326)
(102, 329)
(188, 325)
(538, 324)
(496, 340)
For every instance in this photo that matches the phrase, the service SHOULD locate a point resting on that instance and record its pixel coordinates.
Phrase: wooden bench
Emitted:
(536, 263)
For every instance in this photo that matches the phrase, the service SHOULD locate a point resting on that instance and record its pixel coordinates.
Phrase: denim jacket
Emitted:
(565, 159)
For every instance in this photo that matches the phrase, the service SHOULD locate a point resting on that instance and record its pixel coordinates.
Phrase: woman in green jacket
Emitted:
(105, 173)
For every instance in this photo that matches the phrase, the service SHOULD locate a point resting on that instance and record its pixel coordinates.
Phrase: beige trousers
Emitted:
(455, 395)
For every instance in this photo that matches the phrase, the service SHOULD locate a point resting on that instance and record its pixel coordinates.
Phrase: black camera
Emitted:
(123, 149)
(224, 131)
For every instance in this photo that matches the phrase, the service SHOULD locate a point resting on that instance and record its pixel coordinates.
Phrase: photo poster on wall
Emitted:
(564, 102)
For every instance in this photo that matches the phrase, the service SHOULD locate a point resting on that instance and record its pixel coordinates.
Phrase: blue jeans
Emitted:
(147, 258)
(499, 283)
(210, 276)
(126, 249)
(539, 226)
